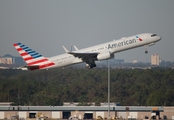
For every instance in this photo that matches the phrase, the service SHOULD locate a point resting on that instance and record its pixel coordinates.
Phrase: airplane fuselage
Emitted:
(106, 50)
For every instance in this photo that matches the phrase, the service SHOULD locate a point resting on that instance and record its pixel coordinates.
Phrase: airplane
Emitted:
(36, 61)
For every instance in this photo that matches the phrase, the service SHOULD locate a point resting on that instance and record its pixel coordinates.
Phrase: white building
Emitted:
(155, 59)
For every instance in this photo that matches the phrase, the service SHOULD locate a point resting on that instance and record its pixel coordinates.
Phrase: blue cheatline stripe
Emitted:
(31, 52)
(22, 46)
(37, 56)
(27, 50)
(25, 47)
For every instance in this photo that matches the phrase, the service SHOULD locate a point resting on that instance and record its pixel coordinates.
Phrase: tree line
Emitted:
(150, 87)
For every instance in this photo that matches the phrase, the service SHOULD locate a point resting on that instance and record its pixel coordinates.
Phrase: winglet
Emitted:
(75, 48)
(66, 50)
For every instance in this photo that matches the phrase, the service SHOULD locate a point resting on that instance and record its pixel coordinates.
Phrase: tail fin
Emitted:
(31, 57)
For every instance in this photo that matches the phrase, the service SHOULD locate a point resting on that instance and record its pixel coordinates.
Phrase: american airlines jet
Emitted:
(36, 61)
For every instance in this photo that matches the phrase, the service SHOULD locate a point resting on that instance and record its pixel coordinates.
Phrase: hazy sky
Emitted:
(46, 25)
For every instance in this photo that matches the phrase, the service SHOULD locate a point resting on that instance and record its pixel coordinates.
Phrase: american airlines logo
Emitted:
(139, 38)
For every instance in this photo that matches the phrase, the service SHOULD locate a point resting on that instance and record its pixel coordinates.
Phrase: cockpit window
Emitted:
(153, 35)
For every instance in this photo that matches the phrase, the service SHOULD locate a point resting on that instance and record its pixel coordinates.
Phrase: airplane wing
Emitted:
(84, 56)
(89, 58)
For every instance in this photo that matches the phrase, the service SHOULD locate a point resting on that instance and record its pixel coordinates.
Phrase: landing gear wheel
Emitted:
(92, 65)
(146, 49)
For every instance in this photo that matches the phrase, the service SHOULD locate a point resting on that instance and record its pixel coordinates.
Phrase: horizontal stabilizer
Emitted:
(35, 67)
(22, 68)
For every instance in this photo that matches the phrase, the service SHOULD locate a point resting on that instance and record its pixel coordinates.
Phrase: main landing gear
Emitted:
(146, 49)
(90, 63)
(90, 66)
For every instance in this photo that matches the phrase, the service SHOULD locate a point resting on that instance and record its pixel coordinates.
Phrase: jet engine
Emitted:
(105, 56)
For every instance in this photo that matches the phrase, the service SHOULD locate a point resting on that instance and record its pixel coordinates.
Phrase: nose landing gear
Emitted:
(146, 49)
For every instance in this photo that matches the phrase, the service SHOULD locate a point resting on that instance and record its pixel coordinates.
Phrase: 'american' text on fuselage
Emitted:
(119, 44)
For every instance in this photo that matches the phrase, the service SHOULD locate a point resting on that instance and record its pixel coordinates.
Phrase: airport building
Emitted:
(73, 112)
(9, 59)
(6, 60)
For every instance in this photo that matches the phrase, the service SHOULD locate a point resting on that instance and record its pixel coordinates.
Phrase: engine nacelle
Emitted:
(105, 56)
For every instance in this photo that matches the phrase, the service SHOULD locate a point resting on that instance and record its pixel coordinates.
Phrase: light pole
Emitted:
(108, 90)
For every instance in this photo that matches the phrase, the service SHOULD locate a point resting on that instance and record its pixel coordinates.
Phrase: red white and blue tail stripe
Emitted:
(33, 59)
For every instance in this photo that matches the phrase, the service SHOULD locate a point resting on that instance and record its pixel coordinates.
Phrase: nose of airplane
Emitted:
(159, 37)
